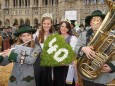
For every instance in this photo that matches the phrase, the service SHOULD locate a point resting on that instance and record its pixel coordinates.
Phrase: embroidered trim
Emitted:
(12, 57)
(12, 78)
(28, 78)
(36, 54)
(23, 55)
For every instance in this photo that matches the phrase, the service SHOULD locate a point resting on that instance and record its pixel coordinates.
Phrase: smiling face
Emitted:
(95, 22)
(25, 37)
(63, 28)
(47, 24)
(46, 29)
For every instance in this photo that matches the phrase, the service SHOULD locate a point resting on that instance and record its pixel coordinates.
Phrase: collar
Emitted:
(90, 32)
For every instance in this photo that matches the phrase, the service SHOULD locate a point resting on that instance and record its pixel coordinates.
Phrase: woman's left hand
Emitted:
(106, 68)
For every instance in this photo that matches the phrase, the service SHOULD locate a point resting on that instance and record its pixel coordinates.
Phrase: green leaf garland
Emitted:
(48, 59)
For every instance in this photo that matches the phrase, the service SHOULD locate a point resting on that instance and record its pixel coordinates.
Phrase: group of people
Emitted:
(8, 38)
(26, 55)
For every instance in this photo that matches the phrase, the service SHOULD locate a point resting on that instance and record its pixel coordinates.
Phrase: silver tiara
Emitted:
(65, 19)
(47, 15)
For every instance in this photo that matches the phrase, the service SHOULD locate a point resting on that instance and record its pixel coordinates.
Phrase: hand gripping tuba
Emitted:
(104, 46)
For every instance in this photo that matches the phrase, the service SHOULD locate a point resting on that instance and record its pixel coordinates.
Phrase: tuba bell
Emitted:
(103, 44)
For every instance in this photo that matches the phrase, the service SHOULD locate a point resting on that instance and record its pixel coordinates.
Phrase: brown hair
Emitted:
(68, 26)
(30, 44)
(41, 32)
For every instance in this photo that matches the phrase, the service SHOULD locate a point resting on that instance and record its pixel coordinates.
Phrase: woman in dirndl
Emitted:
(65, 75)
(42, 73)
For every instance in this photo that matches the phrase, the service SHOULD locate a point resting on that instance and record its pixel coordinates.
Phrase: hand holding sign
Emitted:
(56, 52)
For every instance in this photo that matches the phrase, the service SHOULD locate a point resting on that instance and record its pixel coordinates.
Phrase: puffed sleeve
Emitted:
(73, 41)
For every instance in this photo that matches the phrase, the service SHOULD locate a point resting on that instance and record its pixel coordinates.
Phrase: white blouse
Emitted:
(42, 44)
(35, 35)
(73, 41)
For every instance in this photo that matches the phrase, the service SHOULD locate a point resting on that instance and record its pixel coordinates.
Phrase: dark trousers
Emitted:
(60, 74)
(88, 83)
(42, 74)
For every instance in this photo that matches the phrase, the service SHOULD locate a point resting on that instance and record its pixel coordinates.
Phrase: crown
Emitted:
(65, 19)
(47, 15)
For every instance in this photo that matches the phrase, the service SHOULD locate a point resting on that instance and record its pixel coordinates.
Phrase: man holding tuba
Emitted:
(94, 21)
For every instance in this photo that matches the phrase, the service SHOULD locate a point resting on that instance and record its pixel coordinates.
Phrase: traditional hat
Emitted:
(95, 13)
(24, 29)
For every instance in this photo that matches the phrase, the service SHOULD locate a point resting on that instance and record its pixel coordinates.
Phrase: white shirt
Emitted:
(73, 41)
(35, 35)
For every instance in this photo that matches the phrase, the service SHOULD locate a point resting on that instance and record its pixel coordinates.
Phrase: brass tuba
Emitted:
(104, 46)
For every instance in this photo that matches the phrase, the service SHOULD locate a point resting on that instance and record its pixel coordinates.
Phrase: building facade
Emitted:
(31, 11)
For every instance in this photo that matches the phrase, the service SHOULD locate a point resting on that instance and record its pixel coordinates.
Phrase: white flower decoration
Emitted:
(52, 47)
(47, 15)
(60, 59)
(65, 19)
